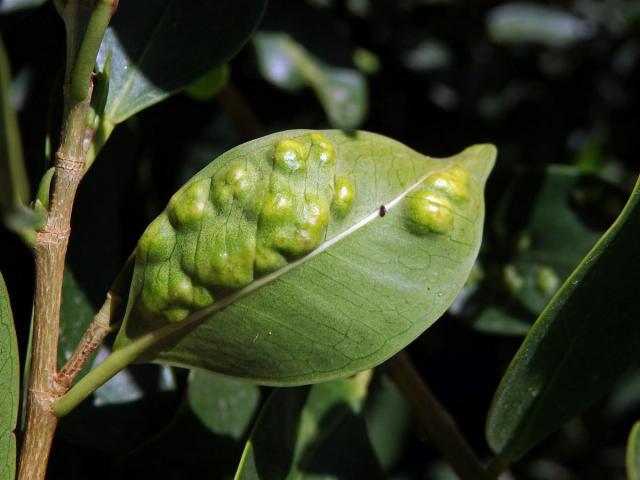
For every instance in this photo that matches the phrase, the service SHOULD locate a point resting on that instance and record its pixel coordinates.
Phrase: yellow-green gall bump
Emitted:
(158, 241)
(236, 181)
(176, 314)
(268, 260)
(227, 269)
(201, 298)
(323, 148)
(449, 185)
(277, 206)
(187, 207)
(460, 173)
(429, 209)
(154, 297)
(240, 222)
(343, 196)
(308, 229)
(180, 288)
(290, 156)
(427, 212)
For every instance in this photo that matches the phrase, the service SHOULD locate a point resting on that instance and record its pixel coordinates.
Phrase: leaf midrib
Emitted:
(256, 284)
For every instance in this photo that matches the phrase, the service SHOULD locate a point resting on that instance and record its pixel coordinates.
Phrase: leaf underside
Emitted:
(368, 289)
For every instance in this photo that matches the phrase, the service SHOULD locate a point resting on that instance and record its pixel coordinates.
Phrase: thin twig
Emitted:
(105, 321)
(435, 420)
(99, 328)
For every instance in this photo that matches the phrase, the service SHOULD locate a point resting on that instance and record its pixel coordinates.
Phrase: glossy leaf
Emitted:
(320, 276)
(633, 453)
(159, 47)
(582, 343)
(9, 386)
(315, 432)
(288, 65)
(206, 436)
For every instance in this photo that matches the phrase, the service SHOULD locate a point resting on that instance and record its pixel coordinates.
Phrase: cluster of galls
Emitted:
(430, 207)
(218, 234)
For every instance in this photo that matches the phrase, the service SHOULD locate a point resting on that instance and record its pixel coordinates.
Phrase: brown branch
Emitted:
(50, 249)
(51, 241)
(99, 328)
(102, 324)
(435, 419)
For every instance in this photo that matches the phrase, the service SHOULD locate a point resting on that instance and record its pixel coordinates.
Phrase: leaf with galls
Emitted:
(275, 264)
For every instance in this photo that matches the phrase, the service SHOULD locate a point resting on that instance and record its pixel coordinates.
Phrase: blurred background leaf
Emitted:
(583, 342)
(633, 453)
(388, 420)
(205, 437)
(10, 6)
(207, 87)
(529, 22)
(312, 432)
(342, 92)
(542, 223)
(14, 182)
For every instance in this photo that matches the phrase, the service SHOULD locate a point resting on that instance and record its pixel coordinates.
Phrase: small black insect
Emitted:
(383, 210)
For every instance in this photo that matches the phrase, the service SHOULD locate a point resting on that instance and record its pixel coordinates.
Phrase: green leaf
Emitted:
(205, 438)
(389, 421)
(76, 313)
(315, 432)
(209, 85)
(9, 386)
(563, 223)
(582, 343)
(287, 64)
(633, 453)
(14, 183)
(140, 396)
(126, 411)
(543, 224)
(310, 279)
(366, 61)
(157, 48)
(499, 321)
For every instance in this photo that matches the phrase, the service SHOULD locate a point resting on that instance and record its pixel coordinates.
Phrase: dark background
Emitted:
(448, 77)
